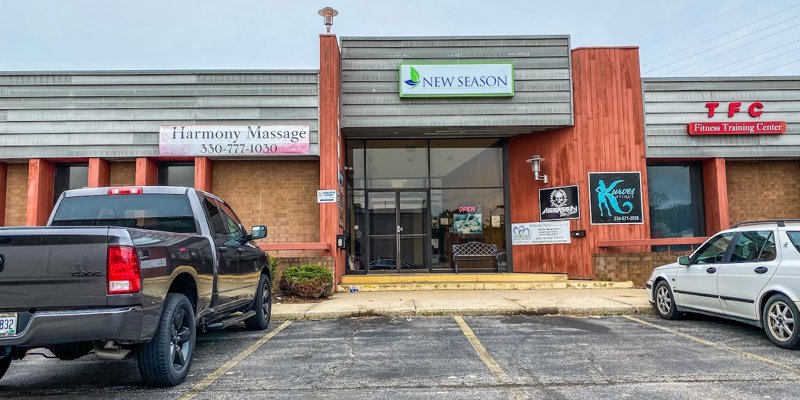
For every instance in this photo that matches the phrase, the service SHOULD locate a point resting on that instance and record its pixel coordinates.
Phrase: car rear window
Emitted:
(162, 212)
(794, 236)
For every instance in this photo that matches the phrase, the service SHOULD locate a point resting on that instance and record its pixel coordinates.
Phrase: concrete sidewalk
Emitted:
(470, 302)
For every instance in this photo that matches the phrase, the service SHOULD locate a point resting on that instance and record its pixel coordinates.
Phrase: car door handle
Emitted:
(761, 270)
(240, 250)
(711, 270)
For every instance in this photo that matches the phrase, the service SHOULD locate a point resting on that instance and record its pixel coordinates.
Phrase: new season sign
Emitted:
(457, 79)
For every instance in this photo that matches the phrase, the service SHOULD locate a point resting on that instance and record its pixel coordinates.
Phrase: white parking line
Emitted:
(208, 380)
(756, 357)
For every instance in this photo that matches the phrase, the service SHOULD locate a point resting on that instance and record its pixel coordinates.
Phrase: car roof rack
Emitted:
(781, 222)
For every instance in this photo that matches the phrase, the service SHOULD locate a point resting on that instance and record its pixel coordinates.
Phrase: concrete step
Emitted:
(375, 279)
(444, 285)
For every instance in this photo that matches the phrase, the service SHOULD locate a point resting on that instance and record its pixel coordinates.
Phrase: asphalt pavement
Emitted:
(452, 357)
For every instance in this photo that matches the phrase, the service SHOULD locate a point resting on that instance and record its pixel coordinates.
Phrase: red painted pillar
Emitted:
(3, 186)
(715, 193)
(203, 173)
(330, 142)
(146, 172)
(99, 173)
(41, 179)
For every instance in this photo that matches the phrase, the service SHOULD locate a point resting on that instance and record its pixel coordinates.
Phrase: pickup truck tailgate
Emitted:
(52, 267)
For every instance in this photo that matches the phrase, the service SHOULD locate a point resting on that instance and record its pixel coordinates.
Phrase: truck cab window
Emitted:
(215, 217)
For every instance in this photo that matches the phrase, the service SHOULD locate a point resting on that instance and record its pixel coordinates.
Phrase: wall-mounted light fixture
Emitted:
(328, 13)
(536, 168)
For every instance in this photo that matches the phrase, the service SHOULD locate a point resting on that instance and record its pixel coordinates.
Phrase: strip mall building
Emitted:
(426, 143)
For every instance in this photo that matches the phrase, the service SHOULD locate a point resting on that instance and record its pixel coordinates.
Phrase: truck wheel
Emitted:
(4, 363)
(165, 360)
(262, 305)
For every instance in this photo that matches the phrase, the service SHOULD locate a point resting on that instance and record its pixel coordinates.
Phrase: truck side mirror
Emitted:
(684, 260)
(258, 232)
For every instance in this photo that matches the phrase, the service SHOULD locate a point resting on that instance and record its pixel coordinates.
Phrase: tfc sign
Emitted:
(754, 110)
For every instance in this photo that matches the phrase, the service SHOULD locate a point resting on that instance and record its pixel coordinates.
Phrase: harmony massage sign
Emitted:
(226, 140)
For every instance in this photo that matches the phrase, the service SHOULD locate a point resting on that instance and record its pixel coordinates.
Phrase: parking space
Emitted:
(525, 357)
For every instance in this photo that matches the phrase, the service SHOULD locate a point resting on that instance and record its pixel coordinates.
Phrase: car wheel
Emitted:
(165, 360)
(779, 316)
(4, 363)
(665, 302)
(262, 305)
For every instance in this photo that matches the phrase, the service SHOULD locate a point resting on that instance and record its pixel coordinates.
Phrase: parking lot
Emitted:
(449, 357)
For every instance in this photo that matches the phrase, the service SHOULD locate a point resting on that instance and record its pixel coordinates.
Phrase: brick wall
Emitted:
(16, 194)
(634, 267)
(279, 194)
(123, 173)
(763, 190)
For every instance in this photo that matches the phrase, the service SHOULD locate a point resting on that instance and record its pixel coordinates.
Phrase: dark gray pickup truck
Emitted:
(130, 271)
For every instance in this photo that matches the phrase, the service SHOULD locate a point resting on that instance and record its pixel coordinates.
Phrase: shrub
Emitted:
(309, 280)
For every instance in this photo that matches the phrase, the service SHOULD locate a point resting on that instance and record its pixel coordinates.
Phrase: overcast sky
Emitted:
(676, 38)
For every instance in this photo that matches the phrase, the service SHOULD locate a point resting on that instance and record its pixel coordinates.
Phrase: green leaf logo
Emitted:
(414, 81)
(414, 75)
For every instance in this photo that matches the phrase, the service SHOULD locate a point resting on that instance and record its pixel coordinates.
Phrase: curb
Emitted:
(562, 311)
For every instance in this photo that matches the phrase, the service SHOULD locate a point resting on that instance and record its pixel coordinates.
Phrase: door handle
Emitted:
(761, 270)
(711, 270)
(239, 250)
(222, 248)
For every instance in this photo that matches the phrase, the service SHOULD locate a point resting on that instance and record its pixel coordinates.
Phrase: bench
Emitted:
(477, 251)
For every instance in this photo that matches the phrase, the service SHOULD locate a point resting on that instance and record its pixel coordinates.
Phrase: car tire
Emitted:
(262, 305)
(165, 360)
(779, 318)
(665, 305)
(4, 363)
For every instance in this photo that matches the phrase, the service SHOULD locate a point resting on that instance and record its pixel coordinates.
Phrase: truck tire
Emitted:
(166, 359)
(4, 363)
(262, 305)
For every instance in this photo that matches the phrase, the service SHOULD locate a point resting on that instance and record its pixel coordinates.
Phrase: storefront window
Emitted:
(675, 193)
(396, 164)
(410, 201)
(466, 163)
(465, 215)
(176, 174)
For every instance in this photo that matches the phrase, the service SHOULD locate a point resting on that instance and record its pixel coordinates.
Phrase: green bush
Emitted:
(309, 280)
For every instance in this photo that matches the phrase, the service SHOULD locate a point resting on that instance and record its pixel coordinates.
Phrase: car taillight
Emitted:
(125, 190)
(124, 274)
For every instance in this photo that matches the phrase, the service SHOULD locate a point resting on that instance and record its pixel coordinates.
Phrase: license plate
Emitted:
(8, 324)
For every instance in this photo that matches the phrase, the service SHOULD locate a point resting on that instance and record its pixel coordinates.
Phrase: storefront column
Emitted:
(41, 179)
(203, 173)
(146, 172)
(330, 145)
(3, 186)
(99, 173)
(715, 193)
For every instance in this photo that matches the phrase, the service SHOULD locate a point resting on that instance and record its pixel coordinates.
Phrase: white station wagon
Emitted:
(749, 273)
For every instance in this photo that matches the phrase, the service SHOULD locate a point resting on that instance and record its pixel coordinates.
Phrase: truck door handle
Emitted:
(761, 270)
(711, 270)
(222, 248)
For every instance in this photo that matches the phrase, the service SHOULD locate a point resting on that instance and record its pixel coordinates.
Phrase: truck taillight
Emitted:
(125, 190)
(124, 274)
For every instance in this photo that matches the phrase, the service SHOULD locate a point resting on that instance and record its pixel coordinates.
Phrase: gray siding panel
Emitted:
(370, 98)
(670, 104)
(118, 113)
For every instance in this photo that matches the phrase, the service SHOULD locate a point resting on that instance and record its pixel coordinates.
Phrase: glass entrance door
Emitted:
(398, 223)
